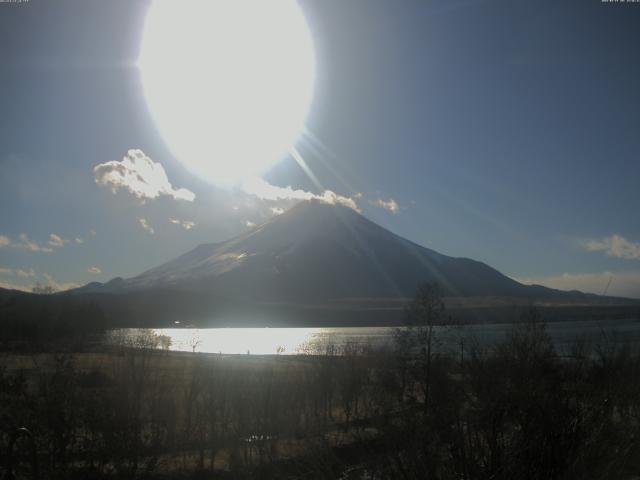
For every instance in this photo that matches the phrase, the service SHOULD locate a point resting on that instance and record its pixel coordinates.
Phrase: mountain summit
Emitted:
(316, 252)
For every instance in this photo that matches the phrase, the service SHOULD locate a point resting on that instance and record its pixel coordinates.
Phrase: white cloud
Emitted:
(23, 243)
(79, 240)
(615, 246)
(49, 280)
(623, 284)
(57, 241)
(141, 176)
(249, 223)
(390, 204)
(94, 270)
(15, 286)
(186, 224)
(266, 191)
(277, 210)
(31, 245)
(25, 273)
(144, 223)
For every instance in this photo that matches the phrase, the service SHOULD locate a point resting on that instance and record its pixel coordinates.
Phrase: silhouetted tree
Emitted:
(41, 289)
(423, 314)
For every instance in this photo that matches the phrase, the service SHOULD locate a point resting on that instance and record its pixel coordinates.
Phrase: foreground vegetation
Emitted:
(518, 410)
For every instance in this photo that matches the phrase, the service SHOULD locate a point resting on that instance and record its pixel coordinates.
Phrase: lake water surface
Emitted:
(293, 341)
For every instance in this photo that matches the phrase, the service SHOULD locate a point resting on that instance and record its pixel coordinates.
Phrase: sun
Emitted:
(228, 82)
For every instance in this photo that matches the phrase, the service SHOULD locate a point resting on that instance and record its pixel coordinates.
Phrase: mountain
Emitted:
(7, 294)
(315, 265)
(315, 253)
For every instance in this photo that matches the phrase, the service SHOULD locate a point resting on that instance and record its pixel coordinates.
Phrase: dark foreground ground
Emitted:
(516, 411)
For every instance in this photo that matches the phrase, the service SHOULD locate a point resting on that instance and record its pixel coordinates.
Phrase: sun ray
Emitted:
(303, 164)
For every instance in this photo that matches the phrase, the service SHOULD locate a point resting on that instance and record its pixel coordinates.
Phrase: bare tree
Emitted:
(41, 289)
(423, 314)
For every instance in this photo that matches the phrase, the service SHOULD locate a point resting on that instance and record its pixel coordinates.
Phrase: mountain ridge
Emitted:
(315, 253)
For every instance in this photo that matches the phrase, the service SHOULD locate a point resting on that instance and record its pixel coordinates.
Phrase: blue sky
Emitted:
(505, 131)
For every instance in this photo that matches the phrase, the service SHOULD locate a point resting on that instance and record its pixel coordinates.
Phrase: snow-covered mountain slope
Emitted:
(317, 252)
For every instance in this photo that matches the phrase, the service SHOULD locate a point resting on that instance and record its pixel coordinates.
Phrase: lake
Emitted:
(294, 341)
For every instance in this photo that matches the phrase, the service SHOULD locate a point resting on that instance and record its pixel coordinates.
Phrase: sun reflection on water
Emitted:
(257, 341)
(332, 340)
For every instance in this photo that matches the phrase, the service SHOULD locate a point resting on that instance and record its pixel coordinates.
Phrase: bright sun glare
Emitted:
(228, 82)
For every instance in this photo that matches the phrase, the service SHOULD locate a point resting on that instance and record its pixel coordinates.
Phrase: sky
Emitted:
(503, 131)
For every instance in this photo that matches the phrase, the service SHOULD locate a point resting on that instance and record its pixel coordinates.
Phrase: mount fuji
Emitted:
(315, 253)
